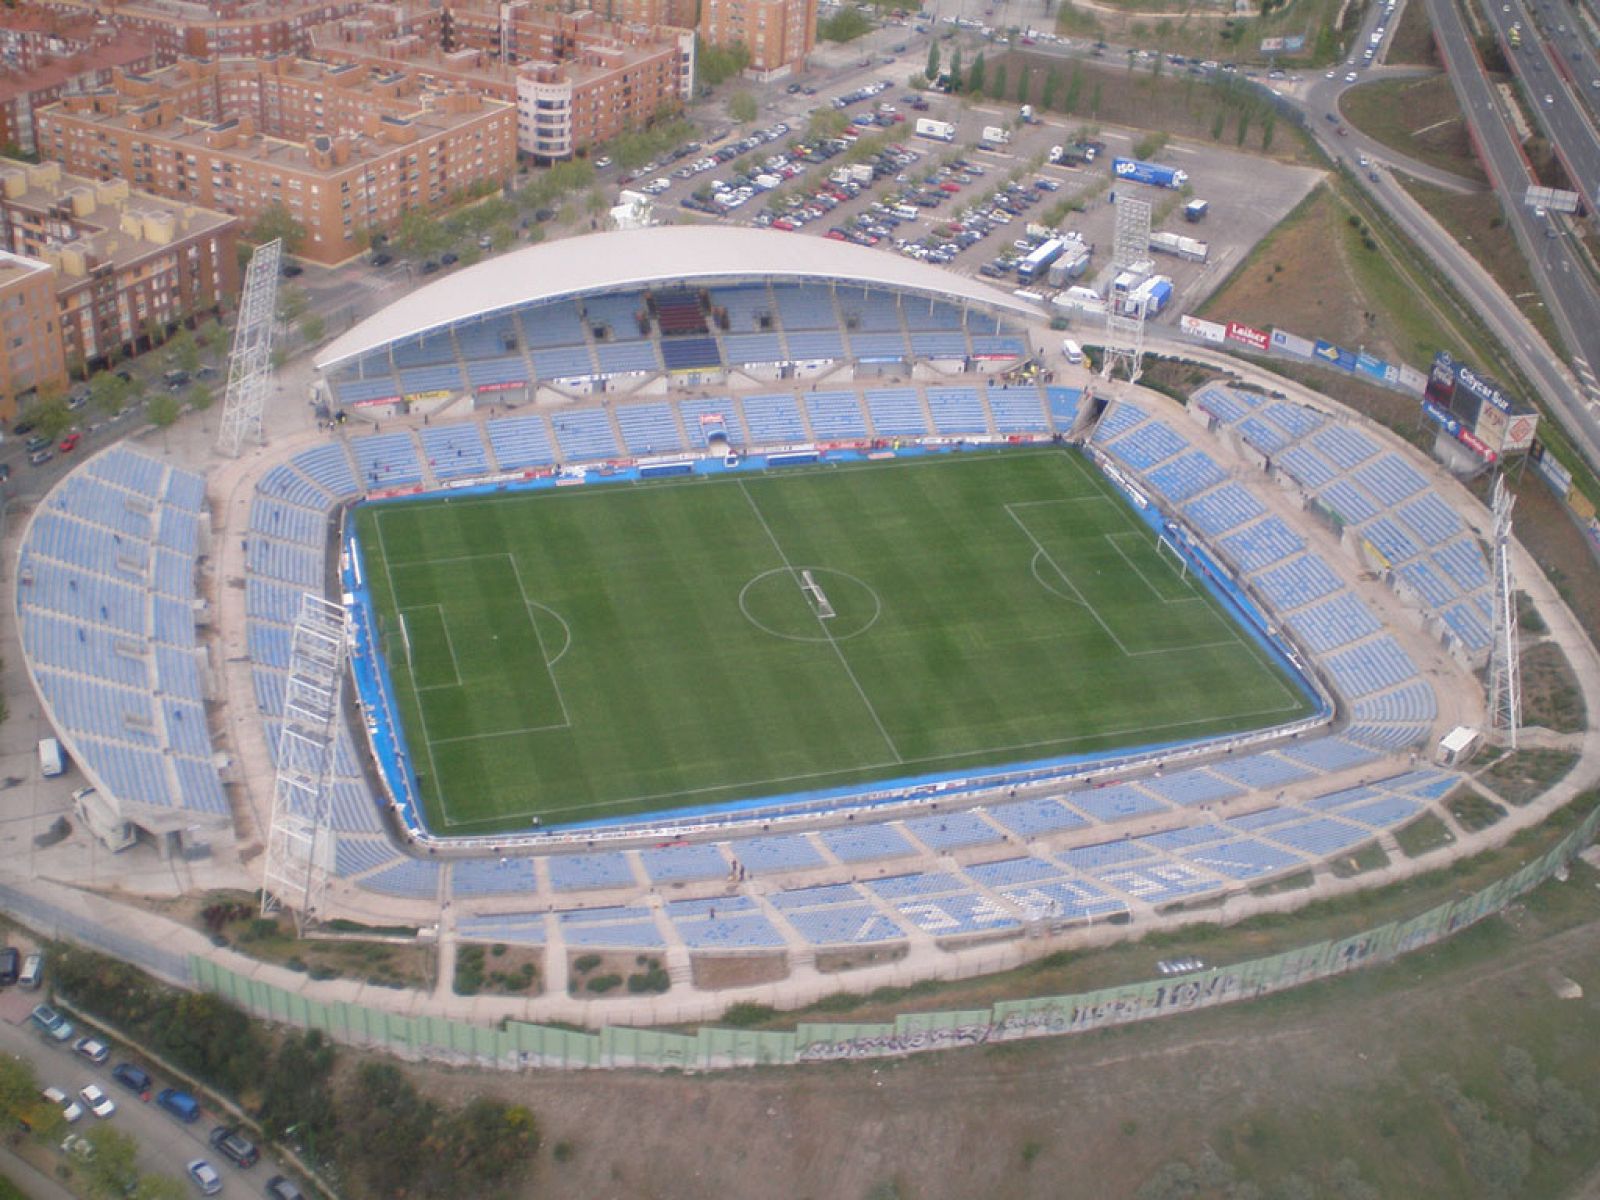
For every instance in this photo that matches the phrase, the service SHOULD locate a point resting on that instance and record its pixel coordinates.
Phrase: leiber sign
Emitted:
(1256, 339)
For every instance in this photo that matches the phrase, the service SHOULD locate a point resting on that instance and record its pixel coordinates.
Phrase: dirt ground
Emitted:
(1291, 1083)
(1412, 40)
(1421, 118)
(1301, 278)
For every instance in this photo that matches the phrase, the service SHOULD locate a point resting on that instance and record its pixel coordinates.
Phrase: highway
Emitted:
(1567, 289)
(1561, 109)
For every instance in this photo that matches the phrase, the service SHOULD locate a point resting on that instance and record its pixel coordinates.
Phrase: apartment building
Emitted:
(84, 67)
(347, 150)
(30, 341)
(215, 28)
(779, 33)
(576, 78)
(123, 265)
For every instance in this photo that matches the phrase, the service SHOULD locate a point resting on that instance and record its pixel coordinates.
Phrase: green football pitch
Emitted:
(602, 651)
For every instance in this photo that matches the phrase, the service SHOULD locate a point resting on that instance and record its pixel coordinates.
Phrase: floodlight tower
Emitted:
(250, 365)
(300, 841)
(1505, 661)
(1125, 328)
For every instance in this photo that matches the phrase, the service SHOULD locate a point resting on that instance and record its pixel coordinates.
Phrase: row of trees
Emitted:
(368, 1127)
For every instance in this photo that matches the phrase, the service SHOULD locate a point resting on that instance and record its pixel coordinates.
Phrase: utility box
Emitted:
(1457, 747)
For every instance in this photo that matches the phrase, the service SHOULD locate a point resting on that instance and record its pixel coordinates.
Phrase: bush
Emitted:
(601, 984)
(585, 963)
(742, 1016)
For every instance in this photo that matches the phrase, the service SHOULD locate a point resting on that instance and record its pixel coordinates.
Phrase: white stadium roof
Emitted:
(661, 255)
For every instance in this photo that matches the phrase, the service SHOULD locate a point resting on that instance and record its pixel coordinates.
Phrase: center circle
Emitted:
(777, 602)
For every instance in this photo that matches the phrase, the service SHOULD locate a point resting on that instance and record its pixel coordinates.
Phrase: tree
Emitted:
(997, 81)
(826, 123)
(1024, 84)
(975, 76)
(955, 70)
(846, 25)
(1052, 84)
(185, 350)
(742, 107)
(276, 221)
(162, 410)
(491, 1141)
(717, 64)
(19, 1086)
(108, 392)
(312, 327)
(201, 397)
(933, 62)
(115, 1162)
(419, 235)
(50, 414)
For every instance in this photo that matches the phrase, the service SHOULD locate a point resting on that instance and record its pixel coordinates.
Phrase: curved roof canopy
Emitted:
(640, 257)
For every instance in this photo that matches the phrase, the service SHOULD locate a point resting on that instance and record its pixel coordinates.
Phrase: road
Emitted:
(165, 1144)
(1568, 290)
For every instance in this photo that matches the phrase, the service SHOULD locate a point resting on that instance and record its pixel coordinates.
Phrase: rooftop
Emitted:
(120, 53)
(661, 255)
(111, 223)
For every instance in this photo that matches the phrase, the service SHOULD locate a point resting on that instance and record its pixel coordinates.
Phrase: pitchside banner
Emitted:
(1293, 344)
(1249, 335)
(1209, 331)
(1413, 380)
(1334, 356)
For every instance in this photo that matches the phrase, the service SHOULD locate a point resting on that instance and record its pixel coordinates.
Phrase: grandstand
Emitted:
(108, 601)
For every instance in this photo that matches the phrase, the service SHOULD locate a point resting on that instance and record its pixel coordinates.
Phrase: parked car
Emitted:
(32, 966)
(180, 1104)
(234, 1146)
(95, 1051)
(135, 1079)
(381, 259)
(10, 966)
(205, 1177)
(282, 1188)
(50, 1021)
(70, 1108)
(96, 1101)
(70, 442)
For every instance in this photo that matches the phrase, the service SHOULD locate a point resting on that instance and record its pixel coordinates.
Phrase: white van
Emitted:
(1072, 352)
(51, 760)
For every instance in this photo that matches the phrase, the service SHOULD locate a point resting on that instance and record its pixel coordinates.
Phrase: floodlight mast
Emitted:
(300, 838)
(250, 364)
(1505, 656)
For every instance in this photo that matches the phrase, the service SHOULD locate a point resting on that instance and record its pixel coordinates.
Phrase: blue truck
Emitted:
(1147, 172)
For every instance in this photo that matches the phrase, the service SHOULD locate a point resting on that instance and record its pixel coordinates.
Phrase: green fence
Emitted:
(519, 1045)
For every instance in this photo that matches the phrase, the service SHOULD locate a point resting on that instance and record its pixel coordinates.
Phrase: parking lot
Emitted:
(968, 204)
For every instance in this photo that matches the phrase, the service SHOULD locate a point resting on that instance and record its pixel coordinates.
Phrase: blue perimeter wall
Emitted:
(376, 689)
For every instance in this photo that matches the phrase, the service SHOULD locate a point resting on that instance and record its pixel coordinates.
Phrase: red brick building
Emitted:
(121, 264)
(346, 150)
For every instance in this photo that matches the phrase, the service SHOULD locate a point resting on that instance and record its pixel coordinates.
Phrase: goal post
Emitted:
(1180, 561)
(818, 598)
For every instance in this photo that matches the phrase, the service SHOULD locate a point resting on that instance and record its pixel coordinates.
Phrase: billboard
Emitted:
(1249, 335)
(1292, 344)
(1334, 356)
(1210, 331)
(1376, 368)
(1283, 45)
(1492, 424)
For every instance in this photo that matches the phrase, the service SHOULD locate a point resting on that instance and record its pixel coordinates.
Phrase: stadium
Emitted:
(713, 592)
